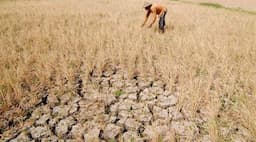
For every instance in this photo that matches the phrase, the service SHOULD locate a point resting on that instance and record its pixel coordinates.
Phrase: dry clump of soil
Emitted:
(111, 107)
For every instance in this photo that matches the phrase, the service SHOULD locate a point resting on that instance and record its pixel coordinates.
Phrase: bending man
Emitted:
(154, 10)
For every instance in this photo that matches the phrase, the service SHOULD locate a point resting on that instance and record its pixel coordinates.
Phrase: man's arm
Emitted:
(164, 9)
(146, 18)
(153, 20)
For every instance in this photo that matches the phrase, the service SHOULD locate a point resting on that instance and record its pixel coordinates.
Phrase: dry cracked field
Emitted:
(82, 70)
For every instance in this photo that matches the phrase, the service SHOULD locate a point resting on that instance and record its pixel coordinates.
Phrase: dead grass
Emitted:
(248, 4)
(218, 5)
(207, 55)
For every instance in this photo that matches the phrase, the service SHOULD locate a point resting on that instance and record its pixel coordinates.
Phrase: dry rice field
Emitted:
(207, 55)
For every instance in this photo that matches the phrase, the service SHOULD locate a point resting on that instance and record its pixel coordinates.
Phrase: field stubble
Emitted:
(206, 55)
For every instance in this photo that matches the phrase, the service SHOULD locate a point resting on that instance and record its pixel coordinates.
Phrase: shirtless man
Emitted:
(155, 9)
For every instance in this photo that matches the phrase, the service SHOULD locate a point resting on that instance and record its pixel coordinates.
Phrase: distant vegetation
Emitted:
(215, 5)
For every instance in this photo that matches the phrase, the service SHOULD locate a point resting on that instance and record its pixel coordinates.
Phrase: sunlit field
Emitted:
(207, 55)
(243, 4)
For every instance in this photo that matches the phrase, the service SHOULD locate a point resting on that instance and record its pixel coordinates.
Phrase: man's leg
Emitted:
(162, 22)
(164, 17)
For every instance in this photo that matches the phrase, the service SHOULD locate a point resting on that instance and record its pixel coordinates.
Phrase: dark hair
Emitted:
(148, 7)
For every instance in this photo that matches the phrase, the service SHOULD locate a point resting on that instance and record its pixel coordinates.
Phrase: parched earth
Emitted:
(111, 107)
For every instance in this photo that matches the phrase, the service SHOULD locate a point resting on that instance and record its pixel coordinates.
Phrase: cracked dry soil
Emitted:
(117, 109)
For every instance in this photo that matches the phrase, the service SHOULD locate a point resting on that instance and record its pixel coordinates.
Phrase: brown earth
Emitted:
(114, 107)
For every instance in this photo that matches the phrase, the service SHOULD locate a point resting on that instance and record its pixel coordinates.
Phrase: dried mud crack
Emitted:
(111, 107)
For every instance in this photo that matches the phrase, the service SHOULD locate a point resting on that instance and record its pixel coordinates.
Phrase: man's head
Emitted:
(147, 5)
